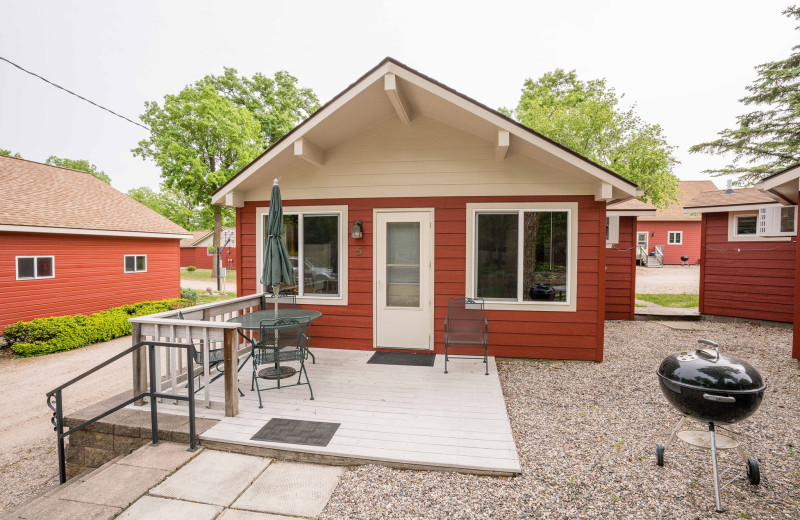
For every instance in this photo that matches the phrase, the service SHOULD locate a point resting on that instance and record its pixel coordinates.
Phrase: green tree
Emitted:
(8, 153)
(210, 130)
(586, 117)
(199, 139)
(278, 104)
(174, 206)
(79, 164)
(767, 139)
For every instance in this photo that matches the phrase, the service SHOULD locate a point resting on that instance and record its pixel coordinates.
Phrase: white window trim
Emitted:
(613, 230)
(678, 243)
(572, 254)
(344, 234)
(35, 274)
(733, 237)
(124, 270)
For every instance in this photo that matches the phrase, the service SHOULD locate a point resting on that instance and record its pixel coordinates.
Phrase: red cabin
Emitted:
(195, 250)
(74, 245)
(401, 193)
(749, 254)
(672, 229)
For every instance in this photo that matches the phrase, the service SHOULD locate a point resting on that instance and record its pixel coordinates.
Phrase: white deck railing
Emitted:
(204, 325)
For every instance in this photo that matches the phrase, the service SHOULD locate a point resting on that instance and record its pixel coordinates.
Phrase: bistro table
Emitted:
(252, 321)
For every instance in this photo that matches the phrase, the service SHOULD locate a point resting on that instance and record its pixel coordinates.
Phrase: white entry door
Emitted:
(404, 279)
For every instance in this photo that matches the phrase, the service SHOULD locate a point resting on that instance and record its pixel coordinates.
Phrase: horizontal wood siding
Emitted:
(514, 334)
(198, 257)
(672, 253)
(89, 274)
(753, 280)
(621, 272)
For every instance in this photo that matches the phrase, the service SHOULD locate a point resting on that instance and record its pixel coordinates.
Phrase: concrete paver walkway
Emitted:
(167, 481)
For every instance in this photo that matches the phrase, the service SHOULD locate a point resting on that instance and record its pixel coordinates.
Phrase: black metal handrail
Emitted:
(58, 407)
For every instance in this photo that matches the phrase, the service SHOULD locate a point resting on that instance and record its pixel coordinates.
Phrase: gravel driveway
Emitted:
(28, 461)
(671, 279)
(586, 434)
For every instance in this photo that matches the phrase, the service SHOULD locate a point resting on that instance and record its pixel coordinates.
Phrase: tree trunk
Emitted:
(216, 239)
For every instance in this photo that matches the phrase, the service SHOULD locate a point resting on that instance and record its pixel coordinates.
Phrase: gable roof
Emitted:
(630, 208)
(687, 191)
(199, 236)
(196, 237)
(721, 200)
(783, 184)
(423, 95)
(41, 198)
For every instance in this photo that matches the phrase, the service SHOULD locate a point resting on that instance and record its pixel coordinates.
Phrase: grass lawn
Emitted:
(680, 301)
(205, 298)
(205, 275)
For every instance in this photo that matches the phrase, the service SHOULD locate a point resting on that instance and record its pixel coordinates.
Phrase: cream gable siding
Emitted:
(423, 158)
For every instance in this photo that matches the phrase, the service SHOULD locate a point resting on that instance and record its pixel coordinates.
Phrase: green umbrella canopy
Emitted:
(277, 266)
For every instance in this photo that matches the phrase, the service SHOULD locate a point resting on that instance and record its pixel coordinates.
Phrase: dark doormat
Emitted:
(308, 433)
(410, 359)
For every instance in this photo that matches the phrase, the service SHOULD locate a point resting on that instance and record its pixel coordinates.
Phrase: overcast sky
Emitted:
(684, 63)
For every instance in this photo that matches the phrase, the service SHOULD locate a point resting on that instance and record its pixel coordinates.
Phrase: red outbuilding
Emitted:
(621, 220)
(673, 231)
(195, 250)
(748, 258)
(401, 193)
(74, 245)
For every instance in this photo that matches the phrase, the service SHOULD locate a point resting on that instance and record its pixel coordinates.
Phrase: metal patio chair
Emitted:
(280, 340)
(216, 360)
(289, 301)
(466, 327)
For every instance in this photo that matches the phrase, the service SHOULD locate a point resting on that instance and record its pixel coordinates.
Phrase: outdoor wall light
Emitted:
(654, 234)
(355, 231)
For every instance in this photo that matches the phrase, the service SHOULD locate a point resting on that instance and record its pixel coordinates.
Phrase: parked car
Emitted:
(316, 278)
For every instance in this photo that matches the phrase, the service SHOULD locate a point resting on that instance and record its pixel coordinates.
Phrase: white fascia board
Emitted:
(783, 178)
(725, 209)
(503, 124)
(99, 232)
(306, 126)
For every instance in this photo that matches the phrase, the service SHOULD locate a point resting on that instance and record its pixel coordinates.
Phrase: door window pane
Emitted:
(321, 254)
(402, 264)
(544, 268)
(25, 267)
(497, 255)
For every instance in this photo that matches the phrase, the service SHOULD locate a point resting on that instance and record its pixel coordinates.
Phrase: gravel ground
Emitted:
(28, 459)
(586, 433)
(673, 279)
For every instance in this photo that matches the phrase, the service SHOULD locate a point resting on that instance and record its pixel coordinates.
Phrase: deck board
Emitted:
(388, 414)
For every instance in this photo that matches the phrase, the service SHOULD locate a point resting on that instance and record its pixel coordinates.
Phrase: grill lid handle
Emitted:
(719, 398)
(710, 344)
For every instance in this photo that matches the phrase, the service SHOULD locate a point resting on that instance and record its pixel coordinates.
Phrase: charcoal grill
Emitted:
(713, 389)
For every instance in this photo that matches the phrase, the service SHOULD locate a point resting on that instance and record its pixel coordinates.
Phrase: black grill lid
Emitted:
(708, 370)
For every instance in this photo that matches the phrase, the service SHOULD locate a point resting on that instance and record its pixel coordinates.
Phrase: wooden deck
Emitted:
(399, 416)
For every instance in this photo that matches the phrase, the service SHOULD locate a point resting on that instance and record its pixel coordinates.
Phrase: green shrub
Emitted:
(189, 294)
(191, 268)
(57, 333)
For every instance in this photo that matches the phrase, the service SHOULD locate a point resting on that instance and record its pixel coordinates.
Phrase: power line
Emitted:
(74, 94)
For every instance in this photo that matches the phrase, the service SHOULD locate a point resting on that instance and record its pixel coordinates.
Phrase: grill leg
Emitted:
(675, 431)
(714, 466)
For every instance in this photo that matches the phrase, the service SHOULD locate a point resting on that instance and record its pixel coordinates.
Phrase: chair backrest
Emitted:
(288, 334)
(285, 301)
(465, 315)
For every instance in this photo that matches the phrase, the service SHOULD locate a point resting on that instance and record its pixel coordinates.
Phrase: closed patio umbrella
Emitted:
(277, 266)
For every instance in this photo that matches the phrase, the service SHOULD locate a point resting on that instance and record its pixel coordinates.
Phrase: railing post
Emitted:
(153, 405)
(192, 428)
(62, 465)
(139, 366)
(231, 374)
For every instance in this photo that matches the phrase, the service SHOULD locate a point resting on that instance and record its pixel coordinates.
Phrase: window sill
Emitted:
(530, 306)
